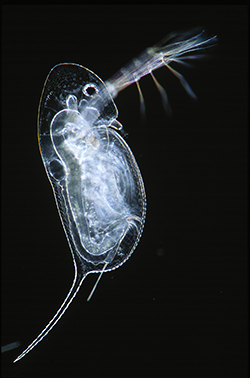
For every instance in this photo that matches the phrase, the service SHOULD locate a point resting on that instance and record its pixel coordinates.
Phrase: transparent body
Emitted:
(98, 187)
(97, 184)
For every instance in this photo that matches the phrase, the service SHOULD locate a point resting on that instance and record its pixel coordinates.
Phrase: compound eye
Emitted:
(90, 89)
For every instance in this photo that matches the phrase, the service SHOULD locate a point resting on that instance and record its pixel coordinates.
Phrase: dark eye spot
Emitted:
(90, 90)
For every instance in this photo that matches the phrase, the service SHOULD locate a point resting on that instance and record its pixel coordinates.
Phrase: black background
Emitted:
(177, 308)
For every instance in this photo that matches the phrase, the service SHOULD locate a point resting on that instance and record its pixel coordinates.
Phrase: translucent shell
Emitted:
(96, 181)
